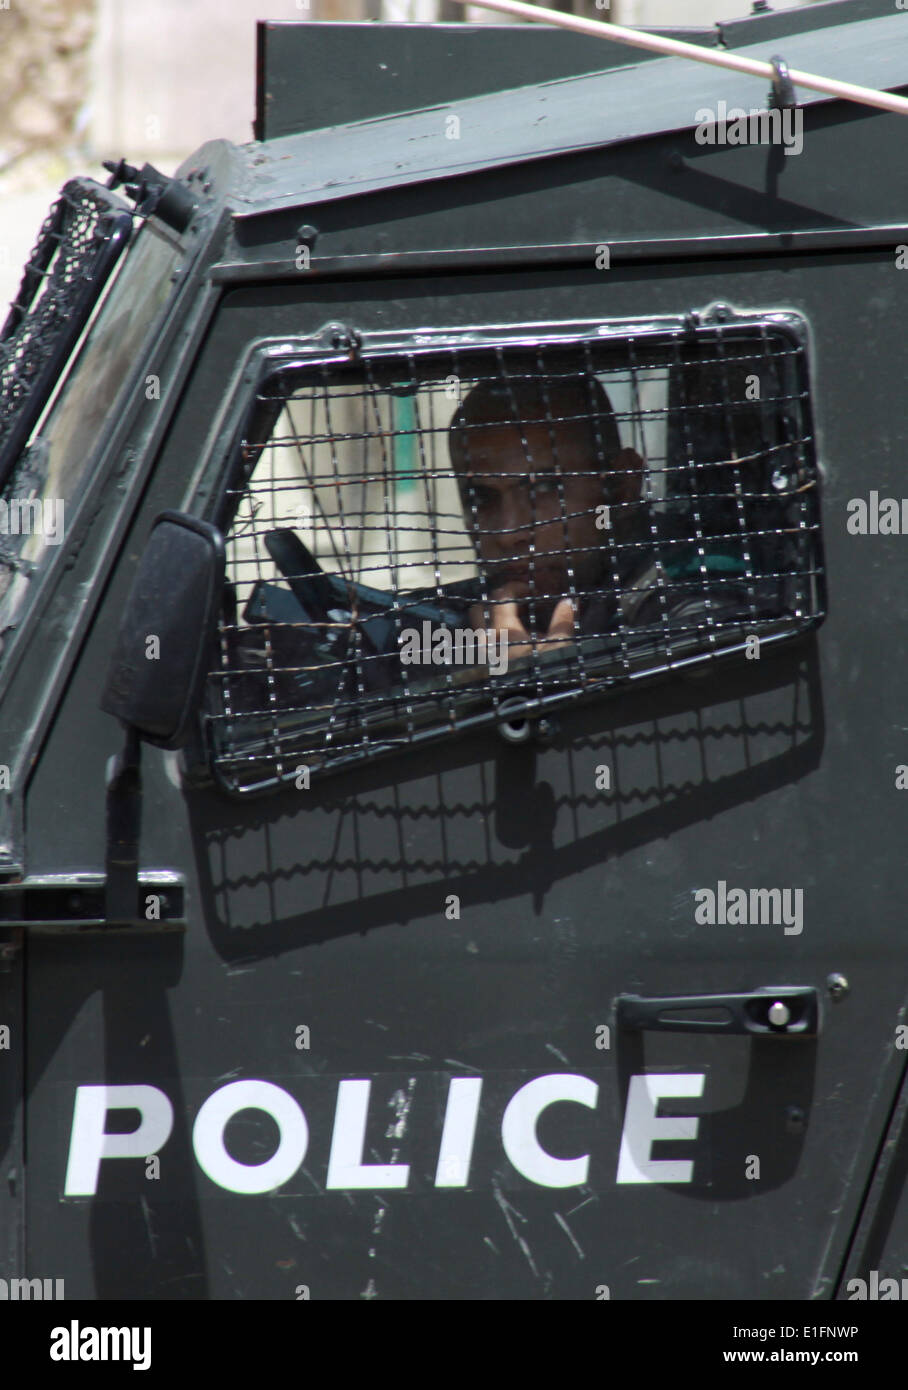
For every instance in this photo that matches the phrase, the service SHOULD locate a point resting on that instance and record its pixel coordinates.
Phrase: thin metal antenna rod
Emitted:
(675, 48)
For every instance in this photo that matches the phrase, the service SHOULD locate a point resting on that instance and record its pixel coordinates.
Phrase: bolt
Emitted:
(837, 985)
(347, 338)
(515, 730)
(306, 235)
(779, 1014)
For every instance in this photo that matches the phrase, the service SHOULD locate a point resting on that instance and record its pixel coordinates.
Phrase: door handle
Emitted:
(787, 1011)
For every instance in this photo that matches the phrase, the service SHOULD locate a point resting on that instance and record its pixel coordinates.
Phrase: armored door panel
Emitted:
(558, 966)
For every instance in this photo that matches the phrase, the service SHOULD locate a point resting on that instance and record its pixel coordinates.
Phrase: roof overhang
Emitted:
(547, 119)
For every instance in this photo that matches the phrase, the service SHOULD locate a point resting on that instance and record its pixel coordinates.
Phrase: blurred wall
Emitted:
(45, 67)
(168, 76)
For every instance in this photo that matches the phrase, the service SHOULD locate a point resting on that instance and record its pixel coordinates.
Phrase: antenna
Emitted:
(675, 48)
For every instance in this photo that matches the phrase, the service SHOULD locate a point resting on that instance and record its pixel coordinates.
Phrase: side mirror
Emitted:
(155, 678)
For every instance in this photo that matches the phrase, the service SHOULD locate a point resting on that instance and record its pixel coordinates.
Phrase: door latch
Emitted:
(787, 1011)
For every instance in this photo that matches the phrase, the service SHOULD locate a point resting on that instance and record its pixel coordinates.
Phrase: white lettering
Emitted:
(459, 1131)
(208, 1137)
(518, 1129)
(642, 1127)
(89, 1143)
(345, 1166)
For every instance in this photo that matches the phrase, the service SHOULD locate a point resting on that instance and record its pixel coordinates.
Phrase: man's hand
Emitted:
(505, 617)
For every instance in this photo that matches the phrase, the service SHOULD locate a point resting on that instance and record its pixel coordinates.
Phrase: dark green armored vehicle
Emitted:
(452, 598)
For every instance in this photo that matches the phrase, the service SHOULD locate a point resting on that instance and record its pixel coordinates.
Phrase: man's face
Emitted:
(532, 511)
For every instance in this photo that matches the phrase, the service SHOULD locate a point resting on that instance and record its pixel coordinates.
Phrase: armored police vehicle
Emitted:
(452, 575)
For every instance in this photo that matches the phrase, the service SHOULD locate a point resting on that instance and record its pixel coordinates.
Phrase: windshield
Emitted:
(43, 492)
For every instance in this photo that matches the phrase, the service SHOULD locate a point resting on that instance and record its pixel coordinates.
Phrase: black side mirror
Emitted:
(158, 668)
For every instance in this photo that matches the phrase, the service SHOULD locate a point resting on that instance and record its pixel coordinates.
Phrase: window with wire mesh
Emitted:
(424, 543)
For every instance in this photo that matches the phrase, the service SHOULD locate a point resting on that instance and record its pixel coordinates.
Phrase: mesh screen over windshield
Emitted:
(424, 543)
(77, 247)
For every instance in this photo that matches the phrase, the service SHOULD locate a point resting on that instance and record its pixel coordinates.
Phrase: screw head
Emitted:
(779, 1014)
(837, 985)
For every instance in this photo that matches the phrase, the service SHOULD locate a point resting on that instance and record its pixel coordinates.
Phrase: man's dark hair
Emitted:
(564, 403)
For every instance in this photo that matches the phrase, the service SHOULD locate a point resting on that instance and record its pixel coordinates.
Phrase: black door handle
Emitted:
(786, 1011)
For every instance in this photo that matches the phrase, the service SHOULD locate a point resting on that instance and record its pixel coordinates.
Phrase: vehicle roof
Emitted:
(547, 119)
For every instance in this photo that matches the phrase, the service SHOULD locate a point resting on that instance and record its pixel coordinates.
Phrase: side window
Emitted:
(417, 539)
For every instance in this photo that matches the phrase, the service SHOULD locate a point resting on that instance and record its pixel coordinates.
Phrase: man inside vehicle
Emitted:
(564, 540)
(553, 505)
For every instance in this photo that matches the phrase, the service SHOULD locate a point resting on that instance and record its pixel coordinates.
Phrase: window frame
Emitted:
(337, 344)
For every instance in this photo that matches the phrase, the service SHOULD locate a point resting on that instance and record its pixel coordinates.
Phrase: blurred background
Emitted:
(87, 80)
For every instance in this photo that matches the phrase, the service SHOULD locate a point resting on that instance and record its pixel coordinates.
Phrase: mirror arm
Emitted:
(124, 822)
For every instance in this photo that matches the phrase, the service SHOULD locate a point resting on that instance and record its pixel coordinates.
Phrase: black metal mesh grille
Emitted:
(422, 543)
(65, 273)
